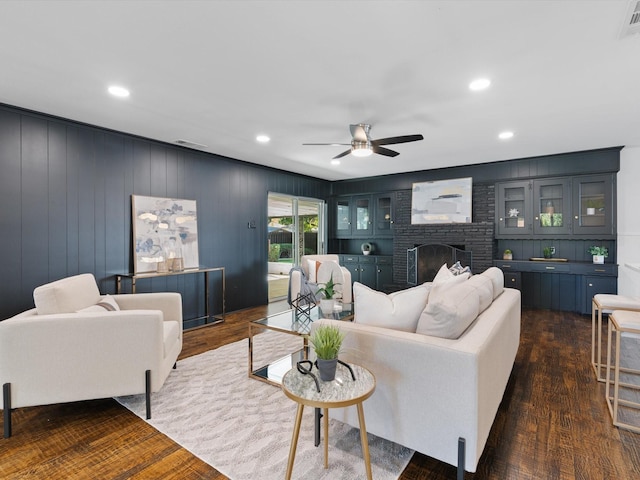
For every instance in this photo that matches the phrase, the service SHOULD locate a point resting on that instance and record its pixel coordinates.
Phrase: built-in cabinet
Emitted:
(374, 271)
(364, 216)
(567, 286)
(556, 207)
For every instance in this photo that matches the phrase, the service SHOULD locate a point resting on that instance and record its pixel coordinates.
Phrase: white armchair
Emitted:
(310, 264)
(78, 345)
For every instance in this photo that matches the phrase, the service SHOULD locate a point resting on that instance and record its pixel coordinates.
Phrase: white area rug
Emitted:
(242, 427)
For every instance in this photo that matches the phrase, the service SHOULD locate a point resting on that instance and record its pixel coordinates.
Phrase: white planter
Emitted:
(591, 211)
(326, 306)
(598, 259)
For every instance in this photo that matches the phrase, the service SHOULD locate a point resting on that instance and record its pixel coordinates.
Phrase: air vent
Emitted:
(631, 25)
(188, 144)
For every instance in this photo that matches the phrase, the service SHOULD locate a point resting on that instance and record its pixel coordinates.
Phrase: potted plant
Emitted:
(547, 252)
(598, 253)
(327, 342)
(507, 255)
(366, 248)
(328, 291)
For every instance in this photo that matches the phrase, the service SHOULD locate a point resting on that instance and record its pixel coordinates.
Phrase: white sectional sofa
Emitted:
(436, 395)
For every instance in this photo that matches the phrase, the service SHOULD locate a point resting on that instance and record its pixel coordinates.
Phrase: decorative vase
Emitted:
(366, 252)
(598, 259)
(326, 305)
(507, 256)
(327, 369)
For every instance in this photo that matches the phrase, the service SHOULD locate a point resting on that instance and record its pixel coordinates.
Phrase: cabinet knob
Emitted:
(576, 217)
(591, 284)
(501, 218)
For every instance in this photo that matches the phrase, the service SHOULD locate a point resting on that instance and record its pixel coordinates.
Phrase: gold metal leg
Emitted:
(363, 440)
(294, 441)
(326, 437)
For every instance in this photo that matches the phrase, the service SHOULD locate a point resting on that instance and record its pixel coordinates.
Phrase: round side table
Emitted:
(341, 392)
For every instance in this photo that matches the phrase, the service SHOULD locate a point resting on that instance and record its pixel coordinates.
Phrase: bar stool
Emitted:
(624, 324)
(606, 303)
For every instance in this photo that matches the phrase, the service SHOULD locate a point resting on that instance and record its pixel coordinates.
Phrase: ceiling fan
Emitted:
(362, 145)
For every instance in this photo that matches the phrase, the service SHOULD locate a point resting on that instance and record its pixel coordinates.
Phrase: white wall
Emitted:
(629, 221)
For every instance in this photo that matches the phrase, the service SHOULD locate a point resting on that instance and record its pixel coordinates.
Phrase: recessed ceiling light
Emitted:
(505, 135)
(117, 91)
(335, 161)
(479, 84)
(263, 138)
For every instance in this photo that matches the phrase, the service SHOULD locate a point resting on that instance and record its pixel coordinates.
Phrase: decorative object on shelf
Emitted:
(514, 212)
(547, 252)
(327, 342)
(598, 253)
(507, 255)
(593, 204)
(366, 248)
(549, 208)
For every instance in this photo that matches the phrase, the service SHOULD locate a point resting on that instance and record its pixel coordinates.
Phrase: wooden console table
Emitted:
(209, 318)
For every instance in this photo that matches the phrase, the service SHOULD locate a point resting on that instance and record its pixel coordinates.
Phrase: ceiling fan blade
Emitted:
(359, 133)
(385, 151)
(400, 139)
(330, 144)
(340, 155)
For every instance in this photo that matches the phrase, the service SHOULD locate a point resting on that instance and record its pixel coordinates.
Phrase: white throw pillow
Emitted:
(450, 313)
(106, 304)
(497, 278)
(399, 310)
(484, 287)
(312, 269)
(443, 275)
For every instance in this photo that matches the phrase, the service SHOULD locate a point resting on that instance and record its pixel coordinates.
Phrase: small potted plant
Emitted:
(366, 248)
(327, 342)
(598, 253)
(547, 252)
(329, 293)
(507, 255)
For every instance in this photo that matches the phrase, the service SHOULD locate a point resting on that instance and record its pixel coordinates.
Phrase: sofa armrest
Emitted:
(169, 303)
(68, 357)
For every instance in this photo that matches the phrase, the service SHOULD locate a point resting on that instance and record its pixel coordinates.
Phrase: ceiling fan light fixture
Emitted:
(361, 149)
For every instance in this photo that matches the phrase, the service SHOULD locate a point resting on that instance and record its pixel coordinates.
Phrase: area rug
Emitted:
(242, 427)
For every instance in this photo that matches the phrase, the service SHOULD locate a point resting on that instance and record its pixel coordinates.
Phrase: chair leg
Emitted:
(147, 392)
(461, 453)
(6, 398)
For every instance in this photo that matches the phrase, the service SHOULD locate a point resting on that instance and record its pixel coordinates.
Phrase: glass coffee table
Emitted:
(288, 323)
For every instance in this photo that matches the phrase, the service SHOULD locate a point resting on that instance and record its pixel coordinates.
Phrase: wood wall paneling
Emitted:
(67, 192)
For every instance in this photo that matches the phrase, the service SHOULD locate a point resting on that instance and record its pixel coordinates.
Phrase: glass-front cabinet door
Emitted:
(363, 221)
(552, 203)
(384, 214)
(513, 215)
(343, 217)
(593, 205)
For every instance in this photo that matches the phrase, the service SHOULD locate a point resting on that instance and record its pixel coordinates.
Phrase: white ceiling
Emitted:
(220, 72)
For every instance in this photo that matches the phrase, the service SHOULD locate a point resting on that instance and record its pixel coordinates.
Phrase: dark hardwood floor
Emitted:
(553, 422)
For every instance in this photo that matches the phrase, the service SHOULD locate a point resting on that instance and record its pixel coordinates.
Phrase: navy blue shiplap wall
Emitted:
(65, 191)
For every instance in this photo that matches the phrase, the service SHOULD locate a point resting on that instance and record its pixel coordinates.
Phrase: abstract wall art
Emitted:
(165, 232)
(443, 201)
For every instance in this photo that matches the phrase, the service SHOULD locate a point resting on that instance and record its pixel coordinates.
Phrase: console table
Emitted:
(209, 318)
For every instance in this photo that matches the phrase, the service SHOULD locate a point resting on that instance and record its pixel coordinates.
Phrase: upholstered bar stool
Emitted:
(606, 303)
(623, 324)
